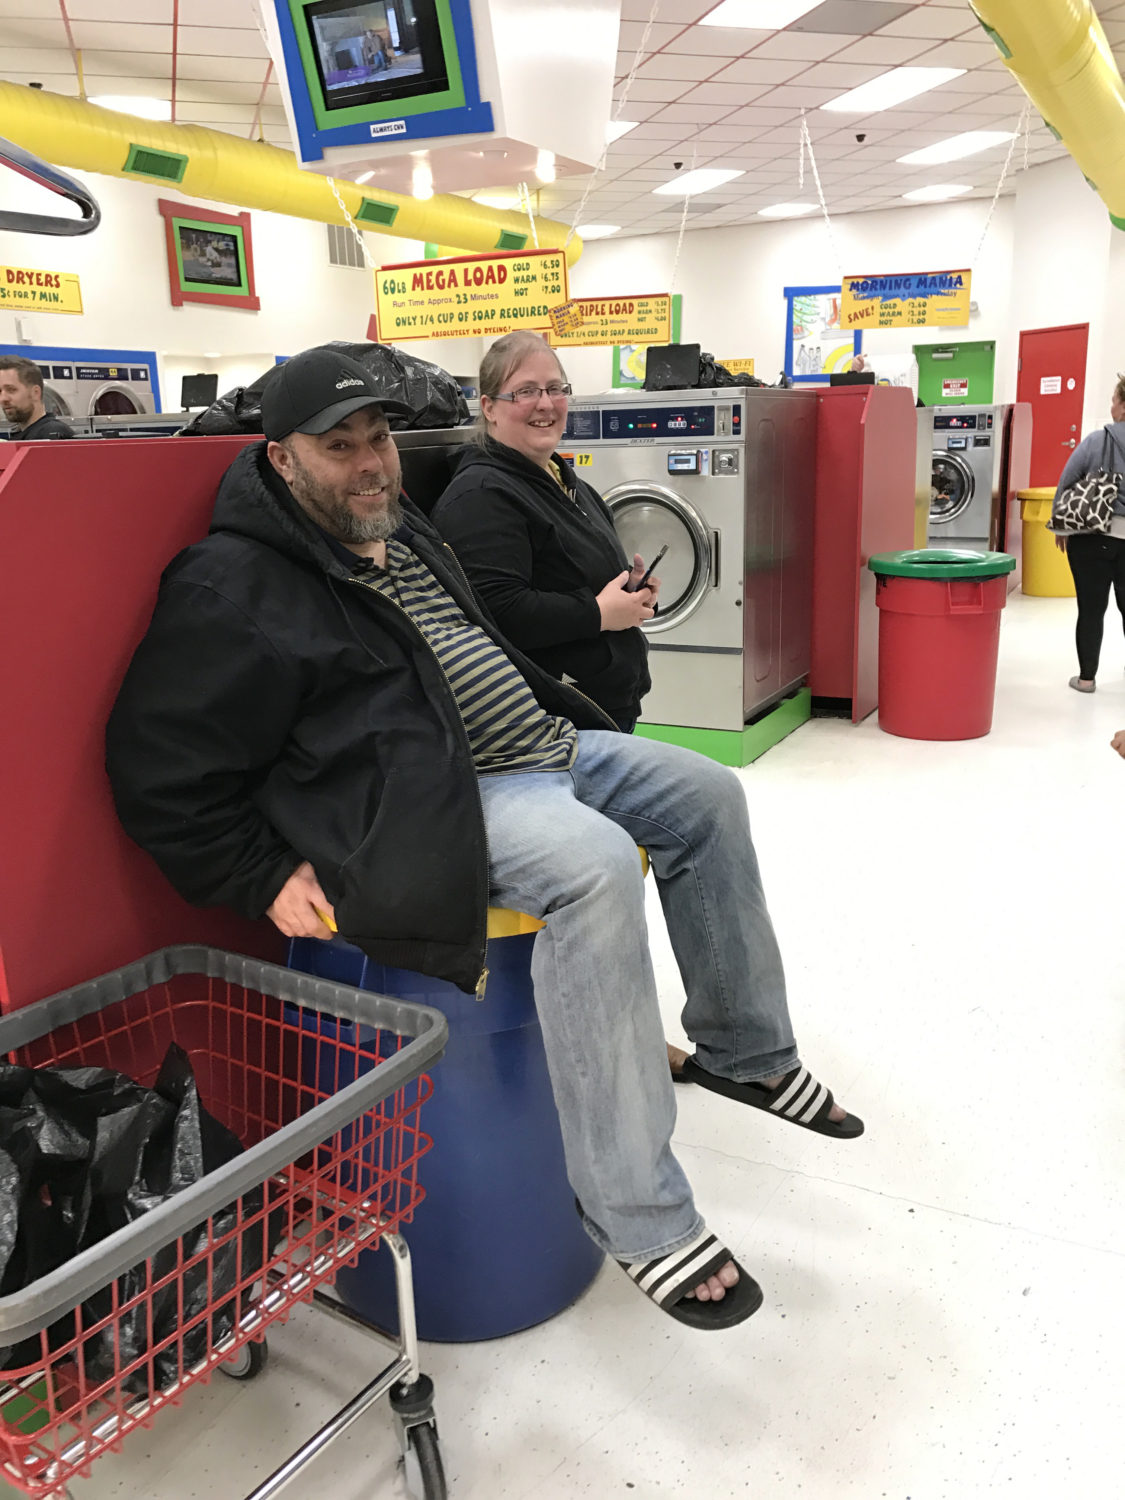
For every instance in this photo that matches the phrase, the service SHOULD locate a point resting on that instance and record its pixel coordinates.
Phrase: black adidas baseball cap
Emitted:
(316, 390)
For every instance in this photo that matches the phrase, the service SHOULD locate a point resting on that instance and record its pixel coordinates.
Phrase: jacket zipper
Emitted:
(482, 981)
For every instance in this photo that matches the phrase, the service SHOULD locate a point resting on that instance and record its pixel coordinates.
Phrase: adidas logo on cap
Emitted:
(347, 380)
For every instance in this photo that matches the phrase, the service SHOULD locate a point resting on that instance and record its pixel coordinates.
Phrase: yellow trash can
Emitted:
(1046, 572)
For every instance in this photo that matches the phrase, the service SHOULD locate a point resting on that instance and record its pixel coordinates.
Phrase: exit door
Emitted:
(1052, 379)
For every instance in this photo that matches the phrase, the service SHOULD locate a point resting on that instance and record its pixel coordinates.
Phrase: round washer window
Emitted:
(951, 488)
(647, 517)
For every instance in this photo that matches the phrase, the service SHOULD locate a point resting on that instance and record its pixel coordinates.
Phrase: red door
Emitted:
(1052, 379)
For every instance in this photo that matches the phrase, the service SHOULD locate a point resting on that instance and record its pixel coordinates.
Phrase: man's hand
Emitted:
(1118, 743)
(295, 911)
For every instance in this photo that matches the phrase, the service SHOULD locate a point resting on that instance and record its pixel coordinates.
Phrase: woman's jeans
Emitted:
(1097, 563)
(563, 847)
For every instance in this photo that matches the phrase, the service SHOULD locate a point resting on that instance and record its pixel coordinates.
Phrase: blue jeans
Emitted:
(563, 847)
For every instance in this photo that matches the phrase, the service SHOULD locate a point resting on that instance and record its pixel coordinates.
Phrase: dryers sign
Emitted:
(926, 299)
(24, 289)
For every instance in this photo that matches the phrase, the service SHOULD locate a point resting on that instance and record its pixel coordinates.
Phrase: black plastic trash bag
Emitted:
(434, 397)
(84, 1152)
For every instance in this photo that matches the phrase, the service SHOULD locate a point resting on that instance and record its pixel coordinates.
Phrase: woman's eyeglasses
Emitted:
(526, 394)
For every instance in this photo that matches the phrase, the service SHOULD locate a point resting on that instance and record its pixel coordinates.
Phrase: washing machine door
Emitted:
(114, 400)
(952, 487)
(55, 404)
(646, 517)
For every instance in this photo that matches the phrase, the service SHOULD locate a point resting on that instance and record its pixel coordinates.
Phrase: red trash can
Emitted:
(939, 635)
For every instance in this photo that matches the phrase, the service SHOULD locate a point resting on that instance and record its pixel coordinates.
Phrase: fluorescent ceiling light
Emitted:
(759, 15)
(213, 355)
(615, 129)
(787, 210)
(422, 181)
(596, 231)
(937, 193)
(702, 180)
(364, 177)
(545, 166)
(957, 147)
(891, 88)
(130, 104)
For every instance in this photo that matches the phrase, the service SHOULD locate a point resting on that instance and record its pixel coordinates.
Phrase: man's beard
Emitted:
(20, 415)
(333, 513)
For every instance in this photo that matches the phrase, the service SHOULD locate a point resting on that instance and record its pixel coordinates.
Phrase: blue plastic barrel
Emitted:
(497, 1244)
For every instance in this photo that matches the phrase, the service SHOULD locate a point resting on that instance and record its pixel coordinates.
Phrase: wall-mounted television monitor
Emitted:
(371, 52)
(211, 257)
(198, 390)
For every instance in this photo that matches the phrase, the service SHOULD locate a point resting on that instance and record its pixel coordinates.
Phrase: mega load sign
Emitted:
(923, 299)
(24, 289)
(473, 294)
(615, 320)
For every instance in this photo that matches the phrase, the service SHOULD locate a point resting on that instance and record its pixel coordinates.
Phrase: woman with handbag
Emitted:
(1088, 519)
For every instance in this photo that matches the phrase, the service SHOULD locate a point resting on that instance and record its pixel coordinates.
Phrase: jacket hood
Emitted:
(1116, 431)
(254, 501)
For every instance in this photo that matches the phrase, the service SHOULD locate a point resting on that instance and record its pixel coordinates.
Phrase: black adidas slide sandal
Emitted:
(667, 1279)
(798, 1098)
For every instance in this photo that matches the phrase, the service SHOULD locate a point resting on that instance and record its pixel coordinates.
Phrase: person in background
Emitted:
(539, 546)
(1097, 560)
(21, 400)
(1118, 743)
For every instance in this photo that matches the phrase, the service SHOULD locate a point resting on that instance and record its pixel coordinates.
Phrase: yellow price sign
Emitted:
(922, 299)
(25, 289)
(619, 320)
(469, 295)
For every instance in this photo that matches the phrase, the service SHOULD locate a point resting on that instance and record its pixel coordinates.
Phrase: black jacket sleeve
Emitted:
(204, 709)
(491, 536)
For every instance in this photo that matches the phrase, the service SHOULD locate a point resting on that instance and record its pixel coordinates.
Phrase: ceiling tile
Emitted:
(660, 90)
(942, 22)
(121, 10)
(730, 95)
(209, 12)
(669, 10)
(889, 51)
(979, 80)
(214, 114)
(53, 83)
(965, 54)
(220, 91)
(31, 61)
(718, 41)
(839, 76)
(688, 114)
(759, 69)
(794, 44)
(761, 117)
(669, 65)
(629, 38)
(799, 94)
(223, 42)
(37, 31)
(135, 65)
(855, 17)
(193, 66)
(114, 36)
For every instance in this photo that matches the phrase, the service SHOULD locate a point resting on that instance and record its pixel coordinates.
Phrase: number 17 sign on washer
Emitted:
(470, 294)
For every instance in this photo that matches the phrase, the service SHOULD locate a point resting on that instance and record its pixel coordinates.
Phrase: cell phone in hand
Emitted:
(648, 572)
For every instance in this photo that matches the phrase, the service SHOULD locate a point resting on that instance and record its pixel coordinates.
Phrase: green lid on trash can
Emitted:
(944, 563)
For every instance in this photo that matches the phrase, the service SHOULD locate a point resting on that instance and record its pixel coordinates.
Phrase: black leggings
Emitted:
(1096, 563)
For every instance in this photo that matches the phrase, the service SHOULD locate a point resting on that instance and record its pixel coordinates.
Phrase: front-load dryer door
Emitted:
(952, 488)
(646, 517)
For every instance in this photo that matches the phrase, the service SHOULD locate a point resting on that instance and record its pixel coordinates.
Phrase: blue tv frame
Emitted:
(58, 354)
(809, 291)
(475, 117)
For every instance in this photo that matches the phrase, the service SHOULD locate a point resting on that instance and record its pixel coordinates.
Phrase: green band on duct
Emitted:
(1053, 131)
(371, 211)
(1004, 49)
(430, 252)
(146, 161)
(511, 241)
(1116, 222)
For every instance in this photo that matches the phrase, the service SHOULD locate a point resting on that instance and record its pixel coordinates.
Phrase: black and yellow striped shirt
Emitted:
(508, 731)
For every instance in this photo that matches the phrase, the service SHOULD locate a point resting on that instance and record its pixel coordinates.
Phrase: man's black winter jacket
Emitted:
(279, 710)
(537, 557)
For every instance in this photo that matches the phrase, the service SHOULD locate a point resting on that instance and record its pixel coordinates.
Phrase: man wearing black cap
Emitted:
(323, 725)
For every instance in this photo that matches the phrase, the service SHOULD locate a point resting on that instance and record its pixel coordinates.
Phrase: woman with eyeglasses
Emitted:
(538, 543)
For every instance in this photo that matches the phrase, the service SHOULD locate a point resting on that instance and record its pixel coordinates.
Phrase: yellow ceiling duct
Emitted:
(248, 174)
(1058, 52)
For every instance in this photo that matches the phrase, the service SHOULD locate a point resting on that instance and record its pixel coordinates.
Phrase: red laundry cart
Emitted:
(939, 637)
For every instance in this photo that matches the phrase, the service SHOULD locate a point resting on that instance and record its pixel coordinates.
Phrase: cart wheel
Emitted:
(425, 1477)
(250, 1360)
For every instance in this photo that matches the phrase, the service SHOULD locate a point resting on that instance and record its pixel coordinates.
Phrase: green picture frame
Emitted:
(183, 288)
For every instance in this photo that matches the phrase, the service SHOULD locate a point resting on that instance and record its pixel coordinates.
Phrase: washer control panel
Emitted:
(640, 423)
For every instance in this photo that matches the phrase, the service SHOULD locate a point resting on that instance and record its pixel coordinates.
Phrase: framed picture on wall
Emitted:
(816, 347)
(210, 256)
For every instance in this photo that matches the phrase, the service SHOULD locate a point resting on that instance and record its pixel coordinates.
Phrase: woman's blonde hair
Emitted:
(501, 362)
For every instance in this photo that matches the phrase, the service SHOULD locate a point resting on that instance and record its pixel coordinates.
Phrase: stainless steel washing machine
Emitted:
(965, 473)
(725, 478)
